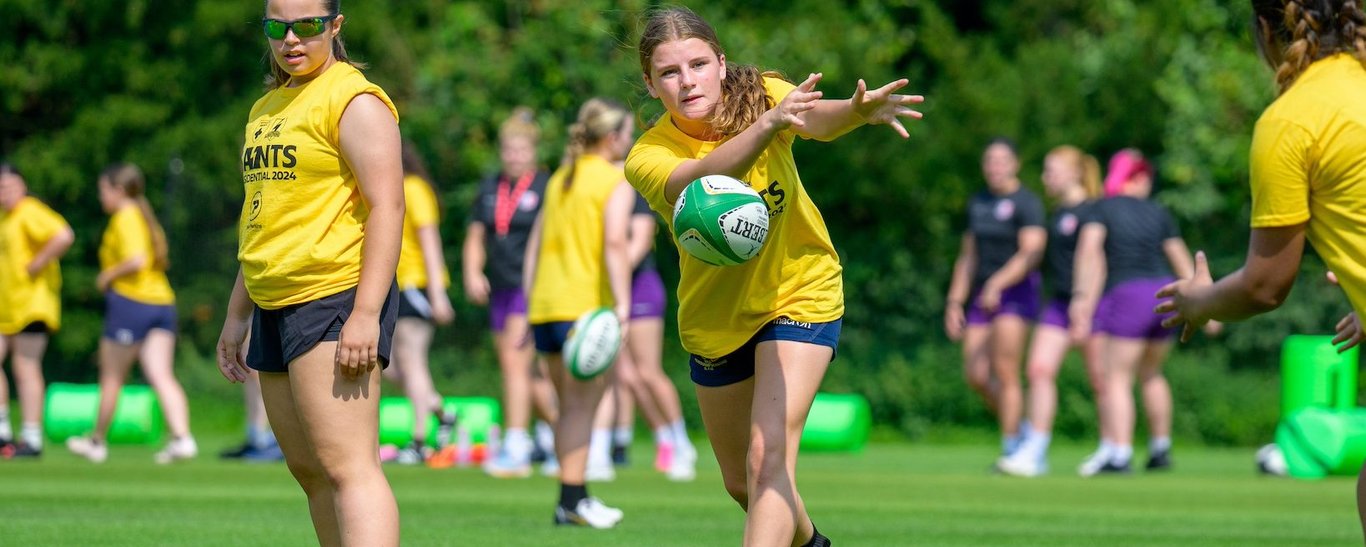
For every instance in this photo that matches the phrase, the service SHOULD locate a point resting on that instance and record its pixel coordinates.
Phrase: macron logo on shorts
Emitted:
(124, 336)
(787, 322)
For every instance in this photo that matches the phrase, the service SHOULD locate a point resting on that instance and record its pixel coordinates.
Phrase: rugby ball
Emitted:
(593, 343)
(1271, 461)
(720, 220)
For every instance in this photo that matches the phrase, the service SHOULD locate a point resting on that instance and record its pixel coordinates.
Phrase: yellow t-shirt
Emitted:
(796, 275)
(128, 236)
(1308, 164)
(421, 212)
(303, 220)
(571, 275)
(24, 232)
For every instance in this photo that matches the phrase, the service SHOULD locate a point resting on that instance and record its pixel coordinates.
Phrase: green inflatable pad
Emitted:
(71, 410)
(837, 423)
(1314, 374)
(475, 414)
(1320, 441)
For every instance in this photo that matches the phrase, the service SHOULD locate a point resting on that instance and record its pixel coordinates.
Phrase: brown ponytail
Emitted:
(129, 179)
(743, 95)
(279, 78)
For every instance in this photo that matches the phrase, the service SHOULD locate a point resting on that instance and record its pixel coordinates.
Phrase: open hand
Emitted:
(1181, 304)
(788, 112)
(882, 107)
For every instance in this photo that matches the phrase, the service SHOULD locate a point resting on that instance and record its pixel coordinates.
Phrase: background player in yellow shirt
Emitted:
(32, 239)
(762, 333)
(320, 231)
(139, 317)
(422, 304)
(1308, 171)
(576, 262)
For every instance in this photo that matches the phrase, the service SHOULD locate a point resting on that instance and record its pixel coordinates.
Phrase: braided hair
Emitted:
(1292, 34)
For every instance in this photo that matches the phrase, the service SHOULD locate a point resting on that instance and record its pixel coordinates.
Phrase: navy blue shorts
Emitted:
(278, 337)
(127, 321)
(550, 337)
(738, 366)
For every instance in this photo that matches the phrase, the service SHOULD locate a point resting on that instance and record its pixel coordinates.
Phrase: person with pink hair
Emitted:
(1129, 247)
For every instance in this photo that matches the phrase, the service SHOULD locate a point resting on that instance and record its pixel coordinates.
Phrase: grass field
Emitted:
(892, 494)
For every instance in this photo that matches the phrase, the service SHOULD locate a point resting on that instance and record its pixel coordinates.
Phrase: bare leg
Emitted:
(977, 365)
(1157, 393)
(515, 359)
(578, 405)
(115, 361)
(1008, 334)
(1045, 358)
(337, 420)
(28, 375)
(1093, 353)
(158, 359)
(787, 375)
(1122, 358)
(412, 338)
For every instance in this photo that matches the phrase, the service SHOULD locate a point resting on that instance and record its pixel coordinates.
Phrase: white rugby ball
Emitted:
(593, 343)
(1271, 461)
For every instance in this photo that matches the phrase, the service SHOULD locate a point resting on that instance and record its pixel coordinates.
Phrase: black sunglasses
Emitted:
(303, 28)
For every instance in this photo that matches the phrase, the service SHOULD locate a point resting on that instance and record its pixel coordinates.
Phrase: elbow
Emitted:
(1267, 296)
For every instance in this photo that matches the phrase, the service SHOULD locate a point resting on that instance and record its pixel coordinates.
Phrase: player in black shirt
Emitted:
(495, 247)
(994, 294)
(1131, 247)
(1072, 179)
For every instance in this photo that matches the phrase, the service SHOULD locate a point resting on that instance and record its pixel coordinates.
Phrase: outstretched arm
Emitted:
(1261, 285)
(831, 119)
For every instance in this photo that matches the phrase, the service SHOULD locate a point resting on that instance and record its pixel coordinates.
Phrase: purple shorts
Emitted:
(647, 295)
(1055, 313)
(1126, 310)
(1021, 300)
(505, 302)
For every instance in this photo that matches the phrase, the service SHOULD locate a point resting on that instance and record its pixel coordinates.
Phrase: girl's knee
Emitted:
(309, 475)
(739, 491)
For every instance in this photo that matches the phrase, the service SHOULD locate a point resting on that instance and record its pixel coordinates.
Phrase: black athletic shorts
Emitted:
(278, 337)
(413, 303)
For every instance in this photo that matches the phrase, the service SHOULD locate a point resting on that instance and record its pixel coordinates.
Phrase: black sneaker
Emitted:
(1112, 468)
(445, 425)
(236, 452)
(619, 457)
(23, 450)
(538, 454)
(6, 449)
(1160, 461)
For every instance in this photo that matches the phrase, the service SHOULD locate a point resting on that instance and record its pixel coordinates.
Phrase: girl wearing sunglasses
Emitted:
(318, 244)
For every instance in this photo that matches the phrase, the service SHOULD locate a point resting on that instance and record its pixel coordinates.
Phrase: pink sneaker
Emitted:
(664, 457)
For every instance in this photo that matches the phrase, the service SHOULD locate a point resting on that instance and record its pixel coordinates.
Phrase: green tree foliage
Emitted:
(168, 85)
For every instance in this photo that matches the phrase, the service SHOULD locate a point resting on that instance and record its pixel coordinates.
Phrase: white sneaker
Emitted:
(589, 512)
(508, 466)
(88, 448)
(1093, 463)
(1020, 464)
(600, 472)
(178, 449)
(682, 466)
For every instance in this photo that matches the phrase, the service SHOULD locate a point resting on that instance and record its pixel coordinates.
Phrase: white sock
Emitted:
(6, 432)
(622, 436)
(1035, 445)
(1159, 444)
(545, 436)
(1122, 454)
(32, 435)
(664, 435)
(517, 443)
(260, 437)
(600, 448)
(680, 436)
